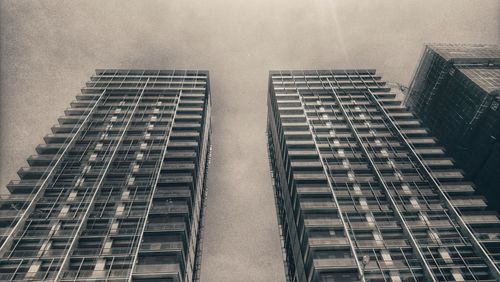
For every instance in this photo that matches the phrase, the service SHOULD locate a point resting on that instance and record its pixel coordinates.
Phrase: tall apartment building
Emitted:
(116, 191)
(456, 94)
(363, 192)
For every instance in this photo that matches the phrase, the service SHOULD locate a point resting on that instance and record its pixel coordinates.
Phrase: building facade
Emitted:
(456, 94)
(116, 192)
(363, 191)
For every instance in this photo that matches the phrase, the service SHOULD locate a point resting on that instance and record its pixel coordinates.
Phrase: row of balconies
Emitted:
(135, 126)
(103, 111)
(54, 148)
(178, 118)
(112, 134)
(125, 84)
(152, 79)
(179, 87)
(145, 101)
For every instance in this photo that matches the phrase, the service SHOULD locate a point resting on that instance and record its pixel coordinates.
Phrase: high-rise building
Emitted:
(363, 192)
(456, 94)
(116, 192)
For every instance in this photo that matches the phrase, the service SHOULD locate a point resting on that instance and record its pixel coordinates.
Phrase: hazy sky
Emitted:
(48, 49)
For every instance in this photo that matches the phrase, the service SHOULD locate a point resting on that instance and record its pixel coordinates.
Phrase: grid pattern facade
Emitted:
(456, 94)
(363, 192)
(116, 192)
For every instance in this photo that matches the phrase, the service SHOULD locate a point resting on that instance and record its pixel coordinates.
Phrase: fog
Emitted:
(49, 49)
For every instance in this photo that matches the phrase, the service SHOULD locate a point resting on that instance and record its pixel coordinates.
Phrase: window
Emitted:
(423, 218)
(414, 202)
(34, 268)
(86, 169)
(406, 188)
(445, 255)
(114, 228)
(107, 245)
(457, 275)
(64, 211)
(377, 237)
(119, 210)
(395, 276)
(399, 176)
(434, 236)
(54, 229)
(131, 181)
(125, 195)
(350, 175)
(135, 168)
(100, 265)
(79, 182)
(384, 152)
(341, 152)
(386, 256)
(363, 203)
(370, 219)
(72, 196)
(357, 189)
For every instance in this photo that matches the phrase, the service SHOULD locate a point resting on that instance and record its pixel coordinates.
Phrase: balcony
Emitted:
(9, 213)
(161, 247)
(158, 271)
(318, 206)
(334, 263)
(169, 209)
(327, 242)
(323, 222)
(72, 275)
(23, 186)
(166, 227)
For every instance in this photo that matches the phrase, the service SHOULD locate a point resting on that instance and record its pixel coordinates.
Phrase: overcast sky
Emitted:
(48, 49)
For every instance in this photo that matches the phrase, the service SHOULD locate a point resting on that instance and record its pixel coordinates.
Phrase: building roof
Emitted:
(487, 79)
(467, 51)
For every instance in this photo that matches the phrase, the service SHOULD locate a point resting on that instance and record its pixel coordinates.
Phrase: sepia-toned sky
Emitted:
(48, 49)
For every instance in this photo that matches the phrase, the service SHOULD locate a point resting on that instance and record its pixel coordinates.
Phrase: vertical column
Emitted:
(95, 191)
(142, 228)
(330, 185)
(428, 273)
